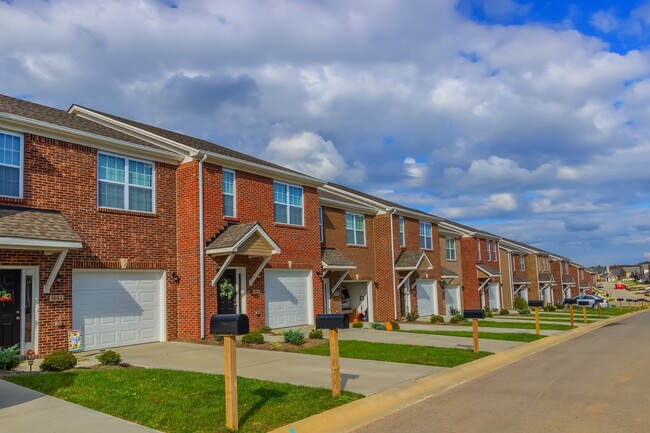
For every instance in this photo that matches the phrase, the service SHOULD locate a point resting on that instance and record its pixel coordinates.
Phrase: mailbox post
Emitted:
(570, 302)
(598, 301)
(537, 304)
(620, 304)
(584, 309)
(474, 315)
(334, 322)
(230, 325)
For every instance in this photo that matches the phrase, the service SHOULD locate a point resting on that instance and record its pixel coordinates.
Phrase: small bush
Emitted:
(412, 317)
(454, 319)
(551, 307)
(437, 319)
(58, 361)
(266, 329)
(276, 345)
(295, 337)
(218, 338)
(395, 325)
(357, 325)
(524, 311)
(109, 358)
(453, 311)
(254, 337)
(504, 312)
(520, 303)
(378, 326)
(489, 314)
(9, 357)
(316, 334)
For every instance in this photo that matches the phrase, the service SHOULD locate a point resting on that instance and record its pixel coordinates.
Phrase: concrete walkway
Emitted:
(24, 410)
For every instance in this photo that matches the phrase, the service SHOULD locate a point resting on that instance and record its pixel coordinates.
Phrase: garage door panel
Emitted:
(117, 308)
(286, 298)
(426, 294)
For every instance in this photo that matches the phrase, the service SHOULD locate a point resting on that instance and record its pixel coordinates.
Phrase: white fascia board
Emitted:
(328, 202)
(335, 268)
(517, 247)
(448, 232)
(347, 194)
(23, 125)
(452, 227)
(14, 243)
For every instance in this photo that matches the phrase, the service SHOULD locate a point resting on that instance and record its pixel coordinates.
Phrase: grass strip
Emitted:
(524, 337)
(404, 353)
(181, 401)
(518, 325)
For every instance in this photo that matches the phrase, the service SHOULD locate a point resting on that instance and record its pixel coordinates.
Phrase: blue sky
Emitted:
(526, 119)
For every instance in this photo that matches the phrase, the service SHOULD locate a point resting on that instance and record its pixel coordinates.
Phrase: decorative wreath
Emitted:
(226, 290)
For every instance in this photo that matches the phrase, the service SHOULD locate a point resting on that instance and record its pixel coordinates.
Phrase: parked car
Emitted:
(600, 286)
(620, 286)
(604, 303)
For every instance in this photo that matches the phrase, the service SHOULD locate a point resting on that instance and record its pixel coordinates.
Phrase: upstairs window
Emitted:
(355, 229)
(228, 193)
(522, 263)
(426, 240)
(11, 165)
(450, 244)
(402, 236)
(287, 204)
(494, 251)
(478, 242)
(320, 221)
(489, 251)
(125, 183)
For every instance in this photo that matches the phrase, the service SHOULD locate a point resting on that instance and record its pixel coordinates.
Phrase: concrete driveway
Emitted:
(362, 376)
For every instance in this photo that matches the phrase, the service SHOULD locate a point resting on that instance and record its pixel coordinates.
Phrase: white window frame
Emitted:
(402, 234)
(452, 249)
(320, 220)
(522, 263)
(234, 193)
(479, 249)
(494, 251)
(429, 237)
(288, 205)
(489, 250)
(354, 230)
(21, 167)
(126, 183)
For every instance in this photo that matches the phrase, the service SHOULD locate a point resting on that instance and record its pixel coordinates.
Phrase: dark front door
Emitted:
(227, 292)
(9, 307)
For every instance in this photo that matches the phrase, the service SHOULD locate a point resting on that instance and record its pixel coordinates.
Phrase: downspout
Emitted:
(512, 281)
(201, 246)
(392, 253)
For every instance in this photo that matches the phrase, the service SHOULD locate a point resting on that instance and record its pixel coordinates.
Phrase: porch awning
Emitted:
(519, 280)
(333, 260)
(247, 239)
(487, 271)
(413, 261)
(568, 280)
(545, 278)
(36, 229)
(448, 274)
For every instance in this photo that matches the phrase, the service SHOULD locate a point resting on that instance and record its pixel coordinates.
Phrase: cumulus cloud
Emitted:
(309, 153)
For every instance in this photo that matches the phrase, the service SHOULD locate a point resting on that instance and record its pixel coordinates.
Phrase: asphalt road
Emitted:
(598, 382)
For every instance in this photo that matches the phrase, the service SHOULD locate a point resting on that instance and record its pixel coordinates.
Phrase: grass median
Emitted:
(518, 325)
(183, 402)
(524, 337)
(404, 353)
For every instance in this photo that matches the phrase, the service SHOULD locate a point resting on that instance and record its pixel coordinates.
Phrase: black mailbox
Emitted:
(570, 301)
(620, 299)
(474, 314)
(536, 303)
(629, 300)
(332, 321)
(229, 324)
(583, 303)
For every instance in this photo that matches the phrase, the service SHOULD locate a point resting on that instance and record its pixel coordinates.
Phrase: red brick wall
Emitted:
(557, 276)
(384, 295)
(469, 259)
(63, 176)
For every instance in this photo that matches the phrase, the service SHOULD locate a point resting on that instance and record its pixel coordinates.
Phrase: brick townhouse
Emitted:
(527, 274)
(394, 252)
(451, 271)
(565, 285)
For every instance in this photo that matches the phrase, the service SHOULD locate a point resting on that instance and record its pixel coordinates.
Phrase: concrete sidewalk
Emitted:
(25, 410)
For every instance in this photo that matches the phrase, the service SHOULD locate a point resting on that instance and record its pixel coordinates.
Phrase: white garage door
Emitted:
(427, 299)
(493, 295)
(117, 308)
(287, 298)
(452, 298)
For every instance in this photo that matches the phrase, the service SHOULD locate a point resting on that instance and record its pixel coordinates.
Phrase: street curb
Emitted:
(355, 415)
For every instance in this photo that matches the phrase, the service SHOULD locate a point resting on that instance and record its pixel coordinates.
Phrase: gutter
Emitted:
(201, 246)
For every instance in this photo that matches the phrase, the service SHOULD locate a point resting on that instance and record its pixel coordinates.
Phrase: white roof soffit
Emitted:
(37, 244)
(328, 202)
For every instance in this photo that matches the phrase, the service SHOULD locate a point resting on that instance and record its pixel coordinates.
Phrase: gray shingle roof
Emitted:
(518, 279)
(195, 143)
(334, 258)
(545, 278)
(231, 236)
(448, 273)
(584, 283)
(567, 279)
(58, 117)
(409, 259)
(35, 224)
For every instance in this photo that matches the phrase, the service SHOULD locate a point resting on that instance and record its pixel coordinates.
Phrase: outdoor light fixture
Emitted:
(175, 277)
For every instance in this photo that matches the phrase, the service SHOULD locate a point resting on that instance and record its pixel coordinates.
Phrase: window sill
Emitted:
(233, 219)
(357, 246)
(289, 226)
(11, 199)
(127, 212)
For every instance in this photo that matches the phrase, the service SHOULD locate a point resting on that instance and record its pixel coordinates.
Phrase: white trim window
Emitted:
(125, 183)
(478, 243)
(228, 191)
(426, 239)
(402, 235)
(287, 204)
(320, 221)
(494, 251)
(450, 247)
(522, 263)
(489, 250)
(11, 165)
(355, 229)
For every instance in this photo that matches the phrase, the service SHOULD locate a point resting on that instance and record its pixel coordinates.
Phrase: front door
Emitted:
(227, 292)
(10, 307)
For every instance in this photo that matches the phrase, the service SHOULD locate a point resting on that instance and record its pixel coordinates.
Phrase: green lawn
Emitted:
(405, 353)
(507, 336)
(180, 401)
(519, 325)
(550, 318)
(606, 312)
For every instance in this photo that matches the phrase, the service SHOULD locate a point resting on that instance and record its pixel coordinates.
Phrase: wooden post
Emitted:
(230, 367)
(584, 313)
(536, 320)
(571, 313)
(600, 314)
(475, 334)
(334, 361)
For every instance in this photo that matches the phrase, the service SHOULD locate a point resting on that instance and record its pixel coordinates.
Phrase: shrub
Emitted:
(453, 311)
(520, 303)
(254, 337)
(395, 325)
(58, 361)
(504, 312)
(551, 307)
(378, 326)
(109, 358)
(294, 337)
(9, 357)
(316, 334)
(489, 314)
(437, 319)
(357, 325)
(276, 345)
(524, 311)
(454, 319)
(412, 317)
(218, 338)
(266, 329)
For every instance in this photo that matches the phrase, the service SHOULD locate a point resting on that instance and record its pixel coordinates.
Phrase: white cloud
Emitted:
(604, 21)
(415, 171)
